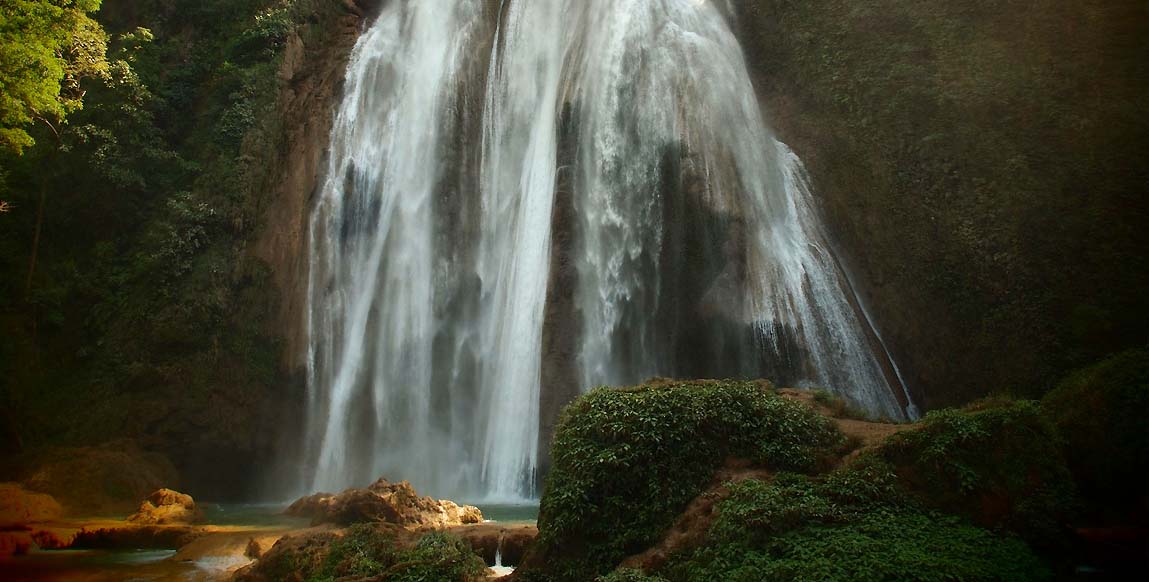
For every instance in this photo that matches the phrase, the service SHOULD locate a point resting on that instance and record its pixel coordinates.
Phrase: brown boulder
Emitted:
(166, 507)
(385, 502)
(18, 506)
(291, 559)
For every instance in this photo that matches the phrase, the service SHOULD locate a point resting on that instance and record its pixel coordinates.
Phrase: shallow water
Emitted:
(149, 565)
(509, 513)
(250, 514)
(101, 566)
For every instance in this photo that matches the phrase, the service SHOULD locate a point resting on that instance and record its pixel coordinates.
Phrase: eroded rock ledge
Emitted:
(385, 502)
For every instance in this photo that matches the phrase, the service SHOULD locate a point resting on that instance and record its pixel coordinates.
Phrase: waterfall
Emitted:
(469, 135)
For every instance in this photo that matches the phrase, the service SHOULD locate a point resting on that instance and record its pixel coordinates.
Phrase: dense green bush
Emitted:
(853, 524)
(875, 546)
(626, 462)
(365, 551)
(996, 462)
(1101, 413)
(147, 316)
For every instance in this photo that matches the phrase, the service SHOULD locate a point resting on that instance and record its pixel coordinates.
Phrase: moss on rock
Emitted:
(369, 551)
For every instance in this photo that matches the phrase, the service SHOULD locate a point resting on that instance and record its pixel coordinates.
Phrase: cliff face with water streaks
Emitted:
(979, 165)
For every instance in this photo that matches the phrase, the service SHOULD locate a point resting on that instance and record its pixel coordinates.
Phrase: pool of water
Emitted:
(510, 512)
(250, 514)
(102, 566)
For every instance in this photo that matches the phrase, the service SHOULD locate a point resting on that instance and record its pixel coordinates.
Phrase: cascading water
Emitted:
(372, 272)
(468, 132)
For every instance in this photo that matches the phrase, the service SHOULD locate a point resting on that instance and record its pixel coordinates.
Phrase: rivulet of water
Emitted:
(468, 134)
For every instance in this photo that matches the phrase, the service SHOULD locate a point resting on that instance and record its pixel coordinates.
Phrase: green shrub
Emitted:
(759, 510)
(366, 551)
(879, 545)
(439, 557)
(852, 524)
(1100, 413)
(996, 462)
(626, 462)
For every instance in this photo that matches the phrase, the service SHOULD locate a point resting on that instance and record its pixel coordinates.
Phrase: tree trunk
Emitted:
(36, 238)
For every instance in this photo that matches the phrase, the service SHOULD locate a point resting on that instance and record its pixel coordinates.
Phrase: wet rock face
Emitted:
(166, 507)
(386, 502)
(490, 540)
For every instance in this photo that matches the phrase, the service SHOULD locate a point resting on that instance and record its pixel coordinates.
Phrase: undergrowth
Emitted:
(367, 552)
(853, 524)
(626, 462)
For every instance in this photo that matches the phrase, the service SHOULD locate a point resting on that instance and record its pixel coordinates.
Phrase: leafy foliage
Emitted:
(878, 545)
(46, 48)
(852, 524)
(1100, 412)
(147, 317)
(365, 551)
(626, 462)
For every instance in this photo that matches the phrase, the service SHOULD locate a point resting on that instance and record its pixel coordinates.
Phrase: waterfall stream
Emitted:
(583, 191)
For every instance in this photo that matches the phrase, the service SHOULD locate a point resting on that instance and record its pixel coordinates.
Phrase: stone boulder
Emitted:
(384, 502)
(167, 507)
(18, 506)
(292, 559)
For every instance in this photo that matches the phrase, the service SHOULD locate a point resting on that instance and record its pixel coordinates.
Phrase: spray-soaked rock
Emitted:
(165, 507)
(383, 501)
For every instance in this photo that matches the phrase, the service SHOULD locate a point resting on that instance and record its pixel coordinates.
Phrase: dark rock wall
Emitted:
(981, 167)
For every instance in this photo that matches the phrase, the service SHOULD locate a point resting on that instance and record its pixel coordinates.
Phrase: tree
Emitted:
(46, 48)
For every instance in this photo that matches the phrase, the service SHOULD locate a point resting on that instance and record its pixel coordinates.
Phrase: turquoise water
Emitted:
(510, 513)
(250, 514)
(100, 566)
